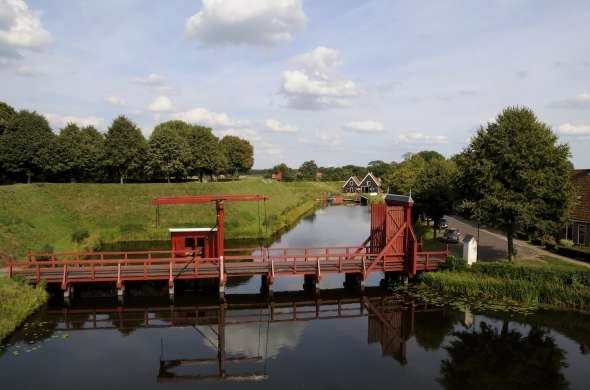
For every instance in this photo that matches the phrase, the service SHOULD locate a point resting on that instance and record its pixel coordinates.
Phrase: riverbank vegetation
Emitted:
(17, 301)
(550, 283)
(48, 216)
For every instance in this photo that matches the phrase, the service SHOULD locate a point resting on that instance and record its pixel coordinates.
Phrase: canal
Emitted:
(341, 339)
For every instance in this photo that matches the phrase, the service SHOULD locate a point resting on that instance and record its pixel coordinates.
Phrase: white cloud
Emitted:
(324, 139)
(580, 102)
(252, 22)
(315, 86)
(161, 104)
(115, 100)
(318, 62)
(571, 129)
(278, 127)
(20, 27)
(151, 80)
(27, 71)
(58, 121)
(268, 148)
(203, 116)
(368, 126)
(419, 138)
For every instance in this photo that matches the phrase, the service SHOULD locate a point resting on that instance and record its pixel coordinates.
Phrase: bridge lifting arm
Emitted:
(219, 204)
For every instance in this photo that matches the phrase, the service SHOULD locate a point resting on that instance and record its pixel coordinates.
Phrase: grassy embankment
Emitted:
(17, 301)
(33, 216)
(528, 284)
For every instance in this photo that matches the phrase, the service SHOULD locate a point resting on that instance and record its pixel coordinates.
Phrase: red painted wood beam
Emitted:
(189, 199)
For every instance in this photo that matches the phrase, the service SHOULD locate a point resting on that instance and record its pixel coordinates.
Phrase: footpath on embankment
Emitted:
(45, 216)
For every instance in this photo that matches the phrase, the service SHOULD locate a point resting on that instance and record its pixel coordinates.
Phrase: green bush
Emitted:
(80, 235)
(455, 263)
(574, 252)
(566, 243)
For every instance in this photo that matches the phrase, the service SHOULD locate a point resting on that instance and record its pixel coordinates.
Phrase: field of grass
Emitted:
(17, 301)
(33, 216)
(546, 283)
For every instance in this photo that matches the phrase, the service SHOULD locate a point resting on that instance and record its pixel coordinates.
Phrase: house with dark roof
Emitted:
(370, 184)
(578, 230)
(351, 185)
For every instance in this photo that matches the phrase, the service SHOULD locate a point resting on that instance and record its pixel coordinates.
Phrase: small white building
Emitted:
(470, 249)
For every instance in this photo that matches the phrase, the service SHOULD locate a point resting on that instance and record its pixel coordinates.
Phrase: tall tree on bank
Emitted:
(169, 152)
(434, 192)
(514, 175)
(239, 153)
(75, 153)
(24, 145)
(6, 114)
(125, 148)
(308, 170)
(207, 156)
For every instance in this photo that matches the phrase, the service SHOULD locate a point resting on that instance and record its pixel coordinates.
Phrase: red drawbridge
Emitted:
(198, 253)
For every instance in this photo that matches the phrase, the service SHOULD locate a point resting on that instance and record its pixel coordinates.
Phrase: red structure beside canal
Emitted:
(198, 253)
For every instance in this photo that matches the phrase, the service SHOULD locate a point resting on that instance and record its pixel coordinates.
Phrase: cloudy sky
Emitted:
(341, 81)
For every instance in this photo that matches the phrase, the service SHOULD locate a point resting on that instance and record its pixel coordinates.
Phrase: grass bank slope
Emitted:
(17, 301)
(35, 215)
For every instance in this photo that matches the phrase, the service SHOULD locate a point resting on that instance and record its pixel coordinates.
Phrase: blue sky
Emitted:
(335, 81)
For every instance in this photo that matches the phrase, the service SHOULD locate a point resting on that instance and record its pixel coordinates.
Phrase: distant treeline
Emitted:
(175, 150)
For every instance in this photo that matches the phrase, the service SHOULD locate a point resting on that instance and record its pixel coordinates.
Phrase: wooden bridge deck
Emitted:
(119, 267)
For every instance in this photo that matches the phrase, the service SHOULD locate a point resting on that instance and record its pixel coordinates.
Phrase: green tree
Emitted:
(308, 169)
(24, 145)
(379, 168)
(125, 148)
(515, 175)
(239, 153)
(206, 154)
(403, 176)
(434, 192)
(169, 152)
(75, 154)
(6, 114)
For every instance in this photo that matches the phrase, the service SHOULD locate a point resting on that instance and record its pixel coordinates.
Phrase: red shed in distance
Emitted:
(194, 242)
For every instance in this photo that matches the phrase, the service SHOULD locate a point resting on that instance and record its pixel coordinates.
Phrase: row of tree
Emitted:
(175, 150)
(514, 175)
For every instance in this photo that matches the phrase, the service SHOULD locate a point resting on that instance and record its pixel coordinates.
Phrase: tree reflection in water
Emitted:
(505, 359)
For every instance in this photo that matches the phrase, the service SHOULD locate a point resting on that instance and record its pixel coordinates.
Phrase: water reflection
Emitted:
(491, 358)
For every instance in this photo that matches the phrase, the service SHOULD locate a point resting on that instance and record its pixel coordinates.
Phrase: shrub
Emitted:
(566, 243)
(80, 235)
(455, 263)
(45, 249)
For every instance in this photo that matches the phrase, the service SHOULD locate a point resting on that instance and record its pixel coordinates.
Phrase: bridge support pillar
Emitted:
(68, 293)
(222, 292)
(312, 283)
(390, 278)
(355, 281)
(120, 292)
(171, 290)
(265, 285)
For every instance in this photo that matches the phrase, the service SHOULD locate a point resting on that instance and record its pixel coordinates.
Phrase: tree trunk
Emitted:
(29, 176)
(510, 237)
(122, 180)
(168, 178)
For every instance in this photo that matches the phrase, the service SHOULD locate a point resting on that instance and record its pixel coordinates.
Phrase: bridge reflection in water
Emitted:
(244, 322)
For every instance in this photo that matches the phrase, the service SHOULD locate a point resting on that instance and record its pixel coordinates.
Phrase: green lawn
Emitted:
(35, 215)
(17, 301)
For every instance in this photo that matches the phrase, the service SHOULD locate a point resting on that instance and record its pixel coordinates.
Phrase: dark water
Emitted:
(341, 339)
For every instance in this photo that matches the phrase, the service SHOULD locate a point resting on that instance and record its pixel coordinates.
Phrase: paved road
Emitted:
(492, 245)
